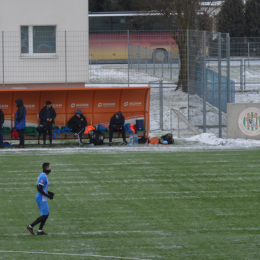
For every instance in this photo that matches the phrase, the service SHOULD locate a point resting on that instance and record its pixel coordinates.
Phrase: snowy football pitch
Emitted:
(178, 205)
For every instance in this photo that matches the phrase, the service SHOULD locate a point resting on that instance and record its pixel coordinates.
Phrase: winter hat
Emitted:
(48, 103)
(78, 112)
(119, 113)
(19, 102)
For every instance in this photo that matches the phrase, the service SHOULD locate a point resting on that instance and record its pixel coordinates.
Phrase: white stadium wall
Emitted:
(66, 15)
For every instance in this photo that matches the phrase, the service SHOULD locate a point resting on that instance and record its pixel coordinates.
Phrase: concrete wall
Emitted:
(68, 15)
(243, 120)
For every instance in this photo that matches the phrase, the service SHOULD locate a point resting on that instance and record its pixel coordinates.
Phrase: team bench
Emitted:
(30, 133)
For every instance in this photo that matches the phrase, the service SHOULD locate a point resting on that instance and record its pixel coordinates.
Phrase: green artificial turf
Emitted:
(180, 205)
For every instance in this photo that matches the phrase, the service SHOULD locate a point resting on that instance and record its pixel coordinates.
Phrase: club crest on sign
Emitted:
(248, 121)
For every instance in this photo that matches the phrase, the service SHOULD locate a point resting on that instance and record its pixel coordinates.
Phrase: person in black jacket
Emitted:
(2, 119)
(77, 125)
(47, 116)
(117, 123)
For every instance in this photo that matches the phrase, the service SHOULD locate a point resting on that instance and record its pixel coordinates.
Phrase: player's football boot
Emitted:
(41, 233)
(30, 230)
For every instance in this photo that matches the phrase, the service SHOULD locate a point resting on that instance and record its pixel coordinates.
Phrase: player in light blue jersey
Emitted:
(41, 199)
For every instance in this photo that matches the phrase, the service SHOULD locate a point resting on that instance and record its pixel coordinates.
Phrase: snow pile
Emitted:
(211, 139)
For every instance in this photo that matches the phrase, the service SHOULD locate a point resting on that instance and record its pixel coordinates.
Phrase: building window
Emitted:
(38, 39)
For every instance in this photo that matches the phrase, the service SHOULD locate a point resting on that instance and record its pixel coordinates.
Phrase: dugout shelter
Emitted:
(98, 105)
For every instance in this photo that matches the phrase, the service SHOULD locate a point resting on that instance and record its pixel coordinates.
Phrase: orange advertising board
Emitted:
(58, 99)
(79, 100)
(30, 101)
(102, 118)
(106, 100)
(133, 100)
(6, 102)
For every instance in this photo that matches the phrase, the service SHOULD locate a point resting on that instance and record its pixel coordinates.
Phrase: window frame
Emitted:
(30, 53)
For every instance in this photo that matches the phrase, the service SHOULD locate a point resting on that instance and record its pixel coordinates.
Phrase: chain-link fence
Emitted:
(132, 56)
(209, 91)
(126, 57)
(162, 99)
(244, 61)
(32, 56)
(154, 62)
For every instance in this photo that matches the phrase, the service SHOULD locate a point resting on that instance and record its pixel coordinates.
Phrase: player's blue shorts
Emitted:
(43, 207)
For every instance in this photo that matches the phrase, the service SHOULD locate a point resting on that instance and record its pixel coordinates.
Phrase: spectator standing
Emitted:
(117, 123)
(19, 123)
(47, 116)
(77, 125)
(2, 119)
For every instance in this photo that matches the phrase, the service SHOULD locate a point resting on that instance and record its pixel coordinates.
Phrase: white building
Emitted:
(43, 41)
(212, 9)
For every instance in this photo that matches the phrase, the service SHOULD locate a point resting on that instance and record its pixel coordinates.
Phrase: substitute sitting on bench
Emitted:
(117, 123)
(77, 125)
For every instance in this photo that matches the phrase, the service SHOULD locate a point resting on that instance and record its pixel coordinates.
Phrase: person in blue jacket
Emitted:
(47, 116)
(19, 123)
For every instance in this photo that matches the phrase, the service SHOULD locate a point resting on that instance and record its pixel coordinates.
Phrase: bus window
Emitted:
(111, 23)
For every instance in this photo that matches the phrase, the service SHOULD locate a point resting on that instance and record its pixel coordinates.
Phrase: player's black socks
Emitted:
(43, 221)
(37, 221)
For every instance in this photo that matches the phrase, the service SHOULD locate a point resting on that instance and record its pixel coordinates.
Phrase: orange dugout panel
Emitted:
(97, 104)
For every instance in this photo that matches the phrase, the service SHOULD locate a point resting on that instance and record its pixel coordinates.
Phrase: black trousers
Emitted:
(47, 128)
(112, 129)
(79, 131)
(21, 136)
(42, 219)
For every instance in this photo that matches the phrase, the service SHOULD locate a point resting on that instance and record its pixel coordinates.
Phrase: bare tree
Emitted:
(189, 16)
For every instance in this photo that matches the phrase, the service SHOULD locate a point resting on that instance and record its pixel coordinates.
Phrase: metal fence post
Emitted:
(128, 75)
(146, 59)
(3, 63)
(170, 65)
(219, 85)
(188, 73)
(66, 58)
(204, 82)
(215, 103)
(153, 64)
(162, 64)
(161, 104)
(131, 56)
(179, 63)
(248, 51)
(168, 55)
(241, 75)
(228, 68)
(244, 74)
(138, 57)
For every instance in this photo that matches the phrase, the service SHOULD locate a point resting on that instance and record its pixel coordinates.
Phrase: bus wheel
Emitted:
(159, 55)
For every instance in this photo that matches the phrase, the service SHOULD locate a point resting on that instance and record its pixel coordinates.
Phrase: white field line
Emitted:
(81, 255)
(161, 233)
(162, 198)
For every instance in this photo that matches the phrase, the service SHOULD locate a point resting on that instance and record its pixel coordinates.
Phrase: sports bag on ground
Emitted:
(96, 137)
(168, 138)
